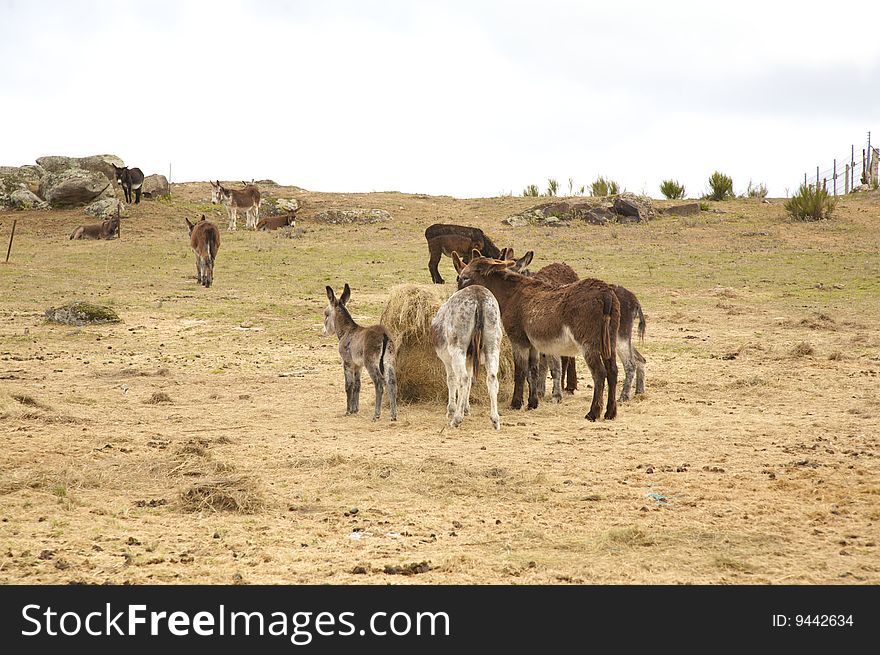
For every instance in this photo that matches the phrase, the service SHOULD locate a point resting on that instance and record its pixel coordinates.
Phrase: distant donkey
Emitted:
(204, 238)
(247, 199)
(130, 178)
(444, 239)
(275, 222)
(468, 325)
(104, 230)
(359, 347)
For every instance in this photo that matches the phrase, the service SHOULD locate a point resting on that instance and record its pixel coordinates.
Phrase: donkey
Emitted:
(359, 347)
(247, 199)
(469, 324)
(107, 229)
(444, 238)
(538, 317)
(204, 238)
(630, 309)
(130, 178)
(274, 222)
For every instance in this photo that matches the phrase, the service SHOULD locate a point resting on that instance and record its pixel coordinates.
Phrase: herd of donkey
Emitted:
(550, 316)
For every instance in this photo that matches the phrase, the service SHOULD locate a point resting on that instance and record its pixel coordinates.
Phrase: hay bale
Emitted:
(421, 376)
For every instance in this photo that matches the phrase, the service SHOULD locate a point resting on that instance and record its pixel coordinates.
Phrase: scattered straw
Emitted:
(239, 494)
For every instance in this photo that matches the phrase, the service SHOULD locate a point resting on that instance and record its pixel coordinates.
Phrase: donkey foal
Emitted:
(469, 323)
(359, 347)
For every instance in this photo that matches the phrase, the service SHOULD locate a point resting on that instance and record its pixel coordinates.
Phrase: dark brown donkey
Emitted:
(130, 179)
(630, 310)
(359, 347)
(104, 230)
(579, 318)
(204, 237)
(444, 239)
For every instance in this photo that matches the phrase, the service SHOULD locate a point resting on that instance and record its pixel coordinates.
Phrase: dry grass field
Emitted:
(751, 459)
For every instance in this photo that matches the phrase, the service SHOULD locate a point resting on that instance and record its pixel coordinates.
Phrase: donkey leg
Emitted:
(640, 372)
(533, 378)
(349, 387)
(379, 384)
(611, 375)
(491, 360)
(597, 369)
(450, 388)
(460, 373)
(569, 368)
(543, 366)
(625, 351)
(391, 379)
(434, 260)
(520, 369)
(556, 374)
(137, 192)
(356, 392)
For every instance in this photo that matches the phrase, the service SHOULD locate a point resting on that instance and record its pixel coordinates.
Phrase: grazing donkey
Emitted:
(204, 237)
(538, 317)
(274, 222)
(361, 346)
(469, 324)
(130, 178)
(630, 309)
(247, 199)
(107, 229)
(444, 239)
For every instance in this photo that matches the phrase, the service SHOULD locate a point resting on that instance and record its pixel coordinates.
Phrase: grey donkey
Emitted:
(360, 347)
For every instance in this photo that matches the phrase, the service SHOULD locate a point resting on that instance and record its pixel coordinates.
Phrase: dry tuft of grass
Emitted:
(240, 494)
(803, 349)
(630, 537)
(158, 398)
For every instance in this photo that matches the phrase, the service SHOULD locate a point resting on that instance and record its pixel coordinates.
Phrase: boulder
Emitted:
(629, 205)
(75, 186)
(597, 216)
(24, 199)
(271, 206)
(348, 216)
(13, 177)
(687, 209)
(105, 208)
(155, 186)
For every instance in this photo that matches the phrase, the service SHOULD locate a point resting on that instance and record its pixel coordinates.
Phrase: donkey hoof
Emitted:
(557, 399)
(590, 416)
(533, 405)
(496, 423)
(516, 404)
(394, 418)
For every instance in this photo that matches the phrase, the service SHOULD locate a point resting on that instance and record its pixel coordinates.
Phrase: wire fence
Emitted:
(848, 172)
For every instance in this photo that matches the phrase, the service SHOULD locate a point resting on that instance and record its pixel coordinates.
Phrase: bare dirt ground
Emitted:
(753, 457)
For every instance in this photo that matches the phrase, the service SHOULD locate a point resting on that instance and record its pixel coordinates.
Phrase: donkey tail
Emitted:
(382, 354)
(607, 305)
(642, 322)
(477, 338)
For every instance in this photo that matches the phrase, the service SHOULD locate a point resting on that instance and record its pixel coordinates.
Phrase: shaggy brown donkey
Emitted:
(104, 230)
(579, 318)
(444, 239)
(204, 237)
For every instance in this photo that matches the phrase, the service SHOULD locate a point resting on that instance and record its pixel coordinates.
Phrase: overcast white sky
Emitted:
(468, 98)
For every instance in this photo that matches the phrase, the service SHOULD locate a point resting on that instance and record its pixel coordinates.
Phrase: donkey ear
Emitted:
(457, 262)
(346, 294)
(475, 253)
(188, 224)
(524, 261)
(331, 296)
(506, 253)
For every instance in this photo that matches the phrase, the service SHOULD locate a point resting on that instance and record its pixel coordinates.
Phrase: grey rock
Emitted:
(24, 199)
(349, 216)
(13, 177)
(75, 186)
(627, 208)
(155, 186)
(687, 209)
(105, 208)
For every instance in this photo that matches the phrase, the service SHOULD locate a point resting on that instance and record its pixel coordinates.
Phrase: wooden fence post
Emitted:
(11, 237)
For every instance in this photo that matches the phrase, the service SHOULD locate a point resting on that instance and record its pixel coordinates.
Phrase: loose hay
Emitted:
(230, 494)
(421, 376)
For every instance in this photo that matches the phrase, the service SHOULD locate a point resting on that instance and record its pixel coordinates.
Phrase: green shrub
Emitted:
(672, 189)
(552, 187)
(810, 204)
(531, 190)
(603, 187)
(720, 187)
(757, 191)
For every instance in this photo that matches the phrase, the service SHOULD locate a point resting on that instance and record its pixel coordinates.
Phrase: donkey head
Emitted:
(120, 173)
(476, 271)
(218, 193)
(520, 265)
(332, 307)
